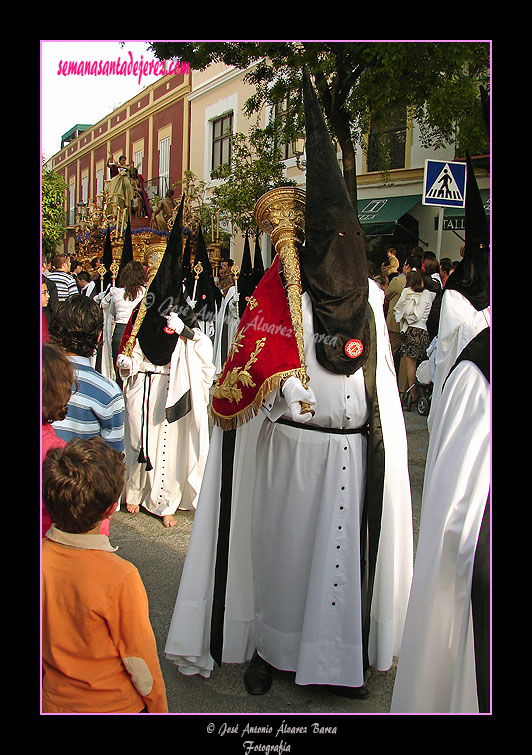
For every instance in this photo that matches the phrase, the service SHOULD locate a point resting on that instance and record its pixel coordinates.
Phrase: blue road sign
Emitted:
(444, 184)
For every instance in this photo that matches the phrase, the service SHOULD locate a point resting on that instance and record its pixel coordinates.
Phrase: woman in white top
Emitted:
(411, 312)
(122, 301)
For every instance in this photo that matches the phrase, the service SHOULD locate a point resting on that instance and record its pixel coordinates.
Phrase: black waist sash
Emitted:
(143, 457)
(370, 529)
(364, 429)
(222, 546)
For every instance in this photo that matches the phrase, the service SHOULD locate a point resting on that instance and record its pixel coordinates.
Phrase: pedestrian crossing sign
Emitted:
(445, 183)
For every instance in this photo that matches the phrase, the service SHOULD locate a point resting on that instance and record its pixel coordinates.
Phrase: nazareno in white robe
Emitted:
(177, 450)
(459, 323)
(227, 315)
(295, 516)
(436, 670)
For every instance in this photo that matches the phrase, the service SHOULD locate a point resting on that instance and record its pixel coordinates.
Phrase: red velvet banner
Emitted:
(264, 352)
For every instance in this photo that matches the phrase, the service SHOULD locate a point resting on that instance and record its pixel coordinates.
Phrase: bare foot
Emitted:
(169, 521)
(132, 508)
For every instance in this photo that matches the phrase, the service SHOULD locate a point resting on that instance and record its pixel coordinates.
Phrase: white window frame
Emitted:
(164, 166)
(72, 203)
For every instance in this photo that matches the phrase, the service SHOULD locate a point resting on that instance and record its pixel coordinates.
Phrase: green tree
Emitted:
(52, 210)
(436, 83)
(254, 168)
(200, 209)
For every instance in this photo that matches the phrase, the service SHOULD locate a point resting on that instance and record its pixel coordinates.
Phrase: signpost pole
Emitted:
(440, 231)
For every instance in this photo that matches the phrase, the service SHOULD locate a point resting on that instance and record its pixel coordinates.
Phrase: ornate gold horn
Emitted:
(281, 214)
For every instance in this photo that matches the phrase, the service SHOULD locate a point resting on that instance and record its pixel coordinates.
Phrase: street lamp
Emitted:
(298, 148)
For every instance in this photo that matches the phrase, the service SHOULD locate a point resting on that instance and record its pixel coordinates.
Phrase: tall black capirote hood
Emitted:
(258, 264)
(208, 296)
(106, 261)
(246, 283)
(472, 275)
(165, 294)
(333, 258)
(188, 274)
(127, 249)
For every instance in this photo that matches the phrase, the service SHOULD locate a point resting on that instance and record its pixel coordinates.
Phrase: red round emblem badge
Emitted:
(354, 348)
(168, 330)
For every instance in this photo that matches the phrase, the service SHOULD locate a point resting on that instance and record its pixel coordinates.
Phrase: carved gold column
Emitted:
(281, 214)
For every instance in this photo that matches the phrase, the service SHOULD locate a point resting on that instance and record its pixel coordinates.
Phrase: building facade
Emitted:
(390, 207)
(183, 123)
(151, 130)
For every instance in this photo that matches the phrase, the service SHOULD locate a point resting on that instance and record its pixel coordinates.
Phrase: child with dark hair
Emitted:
(77, 325)
(98, 647)
(56, 383)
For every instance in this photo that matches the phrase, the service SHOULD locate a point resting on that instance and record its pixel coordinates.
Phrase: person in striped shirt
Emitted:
(65, 283)
(96, 406)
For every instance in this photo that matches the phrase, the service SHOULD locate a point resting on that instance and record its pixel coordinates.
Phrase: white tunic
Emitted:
(177, 450)
(436, 670)
(293, 587)
(459, 323)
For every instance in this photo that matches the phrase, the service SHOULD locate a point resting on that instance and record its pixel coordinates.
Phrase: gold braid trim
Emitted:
(232, 421)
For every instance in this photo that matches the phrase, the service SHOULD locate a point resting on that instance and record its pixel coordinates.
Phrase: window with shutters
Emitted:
(85, 189)
(281, 112)
(99, 187)
(387, 142)
(72, 203)
(222, 128)
(164, 166)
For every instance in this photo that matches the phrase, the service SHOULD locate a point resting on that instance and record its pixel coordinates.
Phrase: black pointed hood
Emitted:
(472, 275)
(188, 275)
(333, 258)
(258, 264)
(246, 284)
(106, 261)
(165, 293)
(127, 249)
(107, 256)
(208, 296)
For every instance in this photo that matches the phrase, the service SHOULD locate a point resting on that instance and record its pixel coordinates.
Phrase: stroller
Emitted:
(424, 386)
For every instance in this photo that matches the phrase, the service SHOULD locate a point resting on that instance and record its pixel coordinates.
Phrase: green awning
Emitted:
(379, 217)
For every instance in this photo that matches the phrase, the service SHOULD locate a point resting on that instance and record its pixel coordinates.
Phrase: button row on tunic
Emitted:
(339, 527)
(164, 444)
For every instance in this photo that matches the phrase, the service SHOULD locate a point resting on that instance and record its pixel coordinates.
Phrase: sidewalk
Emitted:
(159, 554)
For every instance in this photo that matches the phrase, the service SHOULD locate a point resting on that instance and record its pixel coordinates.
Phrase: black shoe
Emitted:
(354, 693)
(258, 676)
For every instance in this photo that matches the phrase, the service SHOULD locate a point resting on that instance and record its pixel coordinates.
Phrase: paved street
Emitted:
(159, 554)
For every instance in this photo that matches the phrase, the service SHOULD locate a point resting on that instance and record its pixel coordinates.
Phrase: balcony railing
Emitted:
(155, 189)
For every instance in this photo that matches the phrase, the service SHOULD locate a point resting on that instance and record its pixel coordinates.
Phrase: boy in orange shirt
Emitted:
(98, 647)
